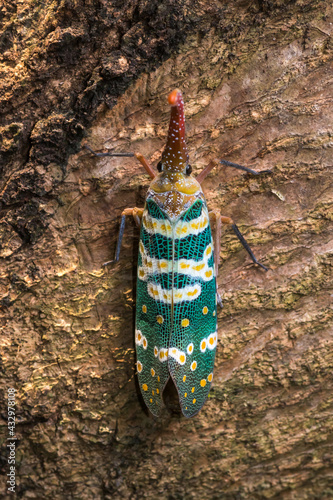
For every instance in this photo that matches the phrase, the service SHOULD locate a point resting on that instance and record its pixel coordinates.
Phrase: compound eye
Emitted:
(188, 169)
(160, 166)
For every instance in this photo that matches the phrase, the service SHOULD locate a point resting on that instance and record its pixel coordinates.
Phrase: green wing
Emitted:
(176, 307)
(194, 330)
(153, 305)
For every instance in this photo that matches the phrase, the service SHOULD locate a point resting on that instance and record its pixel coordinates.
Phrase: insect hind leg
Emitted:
(229, 221)
(247, 247)
(215, 215)
(136, 213)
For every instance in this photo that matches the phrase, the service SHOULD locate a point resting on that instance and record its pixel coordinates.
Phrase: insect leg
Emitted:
(226, 163)
(137, 215)
(216, 216)
(228, 220)
(150, 171)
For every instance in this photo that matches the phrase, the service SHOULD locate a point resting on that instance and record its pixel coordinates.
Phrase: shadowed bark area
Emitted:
(257, 85)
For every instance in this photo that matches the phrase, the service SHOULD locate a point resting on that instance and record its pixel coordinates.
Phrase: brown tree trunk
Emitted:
(257, 84)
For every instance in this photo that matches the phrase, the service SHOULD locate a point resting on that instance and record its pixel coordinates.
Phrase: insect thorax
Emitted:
(174, 203)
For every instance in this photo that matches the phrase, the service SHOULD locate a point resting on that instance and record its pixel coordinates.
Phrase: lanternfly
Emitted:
(177, 298)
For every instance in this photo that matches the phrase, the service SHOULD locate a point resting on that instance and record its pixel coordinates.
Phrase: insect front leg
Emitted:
(136, 213)
(150, 171)
(226, 163)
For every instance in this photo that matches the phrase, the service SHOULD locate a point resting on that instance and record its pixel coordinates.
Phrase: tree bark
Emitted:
(257, 85)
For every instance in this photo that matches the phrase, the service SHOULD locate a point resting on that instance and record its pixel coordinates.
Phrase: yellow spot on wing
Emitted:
(199, 267)
(190, 348)
(159, 319)
(185, 322)
(145, 387)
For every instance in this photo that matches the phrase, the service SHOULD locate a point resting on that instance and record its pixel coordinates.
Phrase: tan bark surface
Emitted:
(257, 84)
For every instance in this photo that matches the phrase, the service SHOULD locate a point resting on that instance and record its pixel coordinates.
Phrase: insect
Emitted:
(177, 298)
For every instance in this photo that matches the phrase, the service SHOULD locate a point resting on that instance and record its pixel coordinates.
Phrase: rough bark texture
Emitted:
(257, 82)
